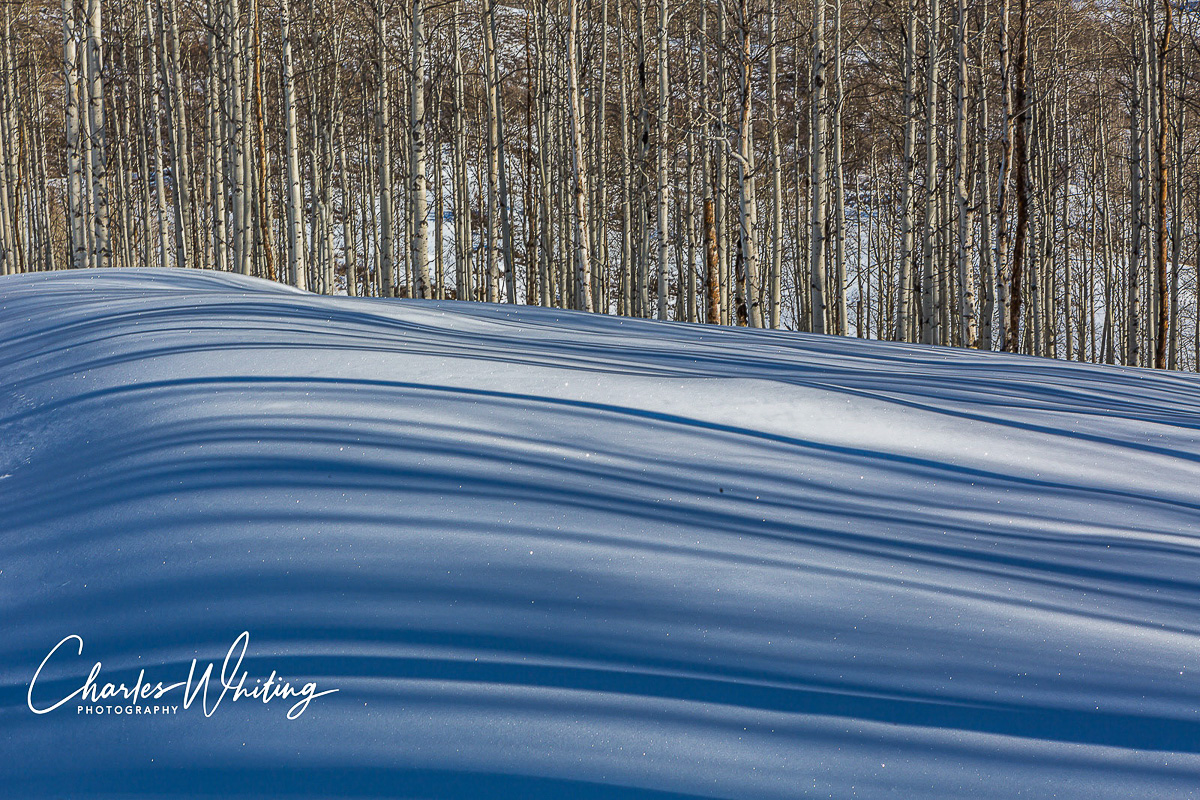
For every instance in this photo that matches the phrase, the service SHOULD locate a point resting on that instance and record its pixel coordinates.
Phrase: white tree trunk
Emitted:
(72, 68)
(297, 252)
(774, 277)
(907, 209)
(966, 215)
(583, 259)
(930, 294)
(818, 178)
(383, 129)
(664, 107)
(96, 136)
(419, 185)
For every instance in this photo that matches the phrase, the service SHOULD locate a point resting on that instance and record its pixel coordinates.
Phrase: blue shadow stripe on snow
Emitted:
(1035, 722)
(360, 781)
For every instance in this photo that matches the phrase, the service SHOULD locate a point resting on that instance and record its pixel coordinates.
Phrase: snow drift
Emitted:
(547, 554)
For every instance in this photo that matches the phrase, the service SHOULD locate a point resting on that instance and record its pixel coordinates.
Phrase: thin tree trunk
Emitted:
(72, 67)
(774, 282)
(9, 143)
(419, 184)
(499, 164)
(664, 106)
(1179, 127)
(238, 174)
(1004, 175)
(297, 265)
(1164, 330)
(625, 303)
(987, 266)
(495, 155)
(178, 132)
(839, 179)
(583, 258)
(818, 307)
(930, 294)
(462, 211)
(383, 128)
(264, 199)
(1134, 311)
(751, 312)
(908, 179)
(712, 264)
(966, 216)
(156, 123)
(96, 136)
(1021, 165)
(642, 279)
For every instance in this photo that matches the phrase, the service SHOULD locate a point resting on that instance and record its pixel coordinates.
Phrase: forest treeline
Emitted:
(1001, 174)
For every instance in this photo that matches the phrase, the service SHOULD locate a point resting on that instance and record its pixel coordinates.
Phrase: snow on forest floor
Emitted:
(547, 554)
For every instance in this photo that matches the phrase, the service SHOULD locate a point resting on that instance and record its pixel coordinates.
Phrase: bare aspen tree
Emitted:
(908, 179)
(774, 277)
(349, 245)
(819, 310)
(1137, 218)
(96, 136)
(495, 155)
(1108, 348)
(126, 167)
(1163, 331)
(1178, 125)
(1196, 260)
(712, 262)
(213, 177)
(383, 129)
(664, 105)
(966, 215)
(177, 130)
(625, 301)
(1021, 167)
(160, 192)
(599, 182)
(721, 182)
(1004, 174)
(237, 176)
(750, 309)
(498, 150)
(9, 192)
(10, 142)
(297, 250)
(583, 257)
(50, 260)
(265, 232)
(839, 180)
(462, 194)
(418, 183)
(439, 198)
(930, 295)
(72, 68)
(691, 209)
(641, 277)
(987, 265)
(1148, 205)
(543, 124)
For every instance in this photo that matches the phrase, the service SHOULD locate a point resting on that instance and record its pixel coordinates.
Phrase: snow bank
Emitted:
(546, 554)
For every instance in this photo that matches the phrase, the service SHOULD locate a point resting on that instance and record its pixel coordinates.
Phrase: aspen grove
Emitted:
(997, 174)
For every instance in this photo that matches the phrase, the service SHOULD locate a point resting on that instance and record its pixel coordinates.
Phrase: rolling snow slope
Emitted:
(547, 554)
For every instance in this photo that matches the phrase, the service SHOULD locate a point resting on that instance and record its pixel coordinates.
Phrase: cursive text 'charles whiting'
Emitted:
(143, 694)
